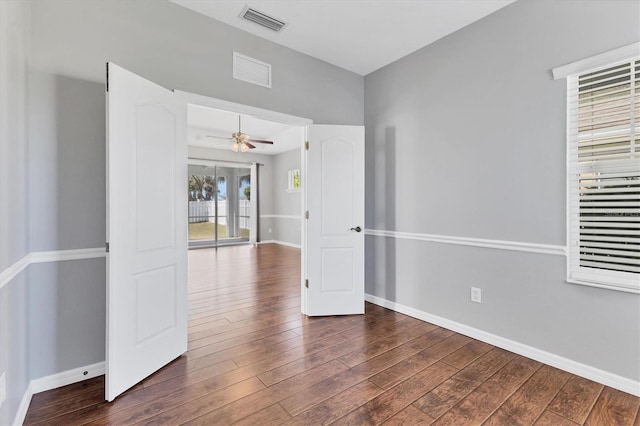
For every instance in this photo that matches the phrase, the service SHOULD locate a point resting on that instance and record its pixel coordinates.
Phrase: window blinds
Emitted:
(604, 175)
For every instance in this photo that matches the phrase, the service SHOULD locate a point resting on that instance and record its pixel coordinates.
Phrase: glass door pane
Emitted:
(219, 205)
(244, 211)
(233, 226)
(202, 211)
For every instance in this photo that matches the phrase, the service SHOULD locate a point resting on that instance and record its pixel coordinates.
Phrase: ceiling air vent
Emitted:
(262, 19)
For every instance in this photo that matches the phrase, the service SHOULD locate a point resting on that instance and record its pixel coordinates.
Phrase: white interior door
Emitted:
(146, 229)
(334, 241)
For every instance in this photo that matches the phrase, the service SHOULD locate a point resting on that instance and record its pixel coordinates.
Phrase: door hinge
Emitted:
(106, 247)
(306, 145)
(306, 214)
(107, 80)
(306, 283)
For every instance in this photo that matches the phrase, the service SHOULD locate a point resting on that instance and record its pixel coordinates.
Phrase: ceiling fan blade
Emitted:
(249, 145)
(261, 141)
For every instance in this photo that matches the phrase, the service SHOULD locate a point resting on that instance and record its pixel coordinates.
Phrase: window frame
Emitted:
(576, 274)
(293, 180)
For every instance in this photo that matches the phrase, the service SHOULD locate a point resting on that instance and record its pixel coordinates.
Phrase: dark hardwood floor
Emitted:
(253, 359)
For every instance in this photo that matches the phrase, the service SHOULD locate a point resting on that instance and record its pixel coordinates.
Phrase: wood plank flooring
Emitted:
(253, 359)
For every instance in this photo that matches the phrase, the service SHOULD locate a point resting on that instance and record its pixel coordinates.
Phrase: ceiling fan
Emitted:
(241, 141)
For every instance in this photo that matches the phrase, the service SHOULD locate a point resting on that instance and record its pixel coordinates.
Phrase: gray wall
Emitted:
(458, 131)
(162, 42)
(14, 57)
(68, 330)
(466, 137)
(165, 43)
(286, 203)
(13, 344)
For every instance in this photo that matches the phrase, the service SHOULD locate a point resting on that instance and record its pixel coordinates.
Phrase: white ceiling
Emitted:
(204, 122)
(358, 35)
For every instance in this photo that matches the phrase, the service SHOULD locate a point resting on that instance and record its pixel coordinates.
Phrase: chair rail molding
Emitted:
(48, 256)
(280, 216)
(12, 271)
(473, 242)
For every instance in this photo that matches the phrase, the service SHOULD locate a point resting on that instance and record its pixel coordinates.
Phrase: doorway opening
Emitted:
(240, 196)
(147, 228)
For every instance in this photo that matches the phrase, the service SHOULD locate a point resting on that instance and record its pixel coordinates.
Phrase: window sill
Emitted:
(604, 286)
(292, 190)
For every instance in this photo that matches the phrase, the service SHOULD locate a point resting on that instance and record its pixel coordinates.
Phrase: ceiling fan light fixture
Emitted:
(240, 142)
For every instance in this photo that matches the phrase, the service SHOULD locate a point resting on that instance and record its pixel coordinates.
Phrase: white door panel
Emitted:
(335, 201)
(146, 229)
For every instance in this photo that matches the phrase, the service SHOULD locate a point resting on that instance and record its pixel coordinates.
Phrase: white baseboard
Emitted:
(282, 243)
(55, 381)
(23, 407)
(604, 377)
(67, 377)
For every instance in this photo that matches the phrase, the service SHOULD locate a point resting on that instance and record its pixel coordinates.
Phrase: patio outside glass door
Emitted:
(219, 204)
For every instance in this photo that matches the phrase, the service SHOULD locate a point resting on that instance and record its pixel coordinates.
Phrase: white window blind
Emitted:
(604, 175)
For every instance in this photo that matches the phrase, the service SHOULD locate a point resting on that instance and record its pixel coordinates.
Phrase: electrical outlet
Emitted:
(269, 230)
(3, 388)
(476, 294)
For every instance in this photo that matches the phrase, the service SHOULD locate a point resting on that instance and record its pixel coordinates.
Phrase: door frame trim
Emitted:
(264, 114)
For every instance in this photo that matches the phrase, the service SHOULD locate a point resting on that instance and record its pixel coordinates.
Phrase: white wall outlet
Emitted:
(269, 230)
(3, 388)
(476, 294)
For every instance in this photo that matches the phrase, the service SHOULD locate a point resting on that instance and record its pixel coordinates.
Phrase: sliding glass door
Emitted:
(220, 208)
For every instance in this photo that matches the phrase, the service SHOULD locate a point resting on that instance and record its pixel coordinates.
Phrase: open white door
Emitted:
(146, 229)
(334, 189)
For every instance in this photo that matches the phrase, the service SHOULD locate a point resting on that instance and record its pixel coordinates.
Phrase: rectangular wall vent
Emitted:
(251, 70)
(262, 19)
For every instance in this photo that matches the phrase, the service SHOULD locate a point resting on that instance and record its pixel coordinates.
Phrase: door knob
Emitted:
(357, 229)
